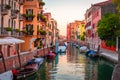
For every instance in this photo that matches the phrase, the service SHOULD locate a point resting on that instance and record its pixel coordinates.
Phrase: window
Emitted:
(29, 27)
(37, 27)
(14, 5)
(0, 54)
(93, 26)
(9, 22)
(89, 14)
(29, 11)
(14, 24)
(9, 2)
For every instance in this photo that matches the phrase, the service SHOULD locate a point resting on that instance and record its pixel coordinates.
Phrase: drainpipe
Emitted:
(19, 21)
(2, 24)
(17, 48)
(2, 19)
(116, 43)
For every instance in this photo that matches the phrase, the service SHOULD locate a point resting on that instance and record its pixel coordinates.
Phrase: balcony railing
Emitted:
(41, 17)
(4, 11)
(13, 14)
(29, 17)
(21, 2)
(5, 32)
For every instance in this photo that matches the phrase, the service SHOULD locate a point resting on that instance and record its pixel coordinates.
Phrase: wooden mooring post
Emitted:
(116, 71)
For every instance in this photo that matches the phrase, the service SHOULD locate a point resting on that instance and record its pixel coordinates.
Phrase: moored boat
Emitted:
(92, 54)
(83, 49)
(61, 49)
(50, 55)
(29, 69)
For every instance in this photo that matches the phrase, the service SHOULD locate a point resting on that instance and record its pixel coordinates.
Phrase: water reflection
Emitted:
(73, 65)
(76, 66)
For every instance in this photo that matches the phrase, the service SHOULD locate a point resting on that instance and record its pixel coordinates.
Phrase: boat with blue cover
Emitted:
(29, 69)
(92, 53)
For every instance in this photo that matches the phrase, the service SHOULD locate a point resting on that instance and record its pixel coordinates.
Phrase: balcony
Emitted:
(20, 17)
(4, 11)
(41, 17)
(21, 2)
(29, 17)
(13, 14)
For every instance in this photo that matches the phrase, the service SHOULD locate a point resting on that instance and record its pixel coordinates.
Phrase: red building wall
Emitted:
(103, 45)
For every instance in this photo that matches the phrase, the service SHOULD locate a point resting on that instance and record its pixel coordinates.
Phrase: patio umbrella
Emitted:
(7, 41)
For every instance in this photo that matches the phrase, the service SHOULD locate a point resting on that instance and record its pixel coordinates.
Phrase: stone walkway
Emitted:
(111, 55)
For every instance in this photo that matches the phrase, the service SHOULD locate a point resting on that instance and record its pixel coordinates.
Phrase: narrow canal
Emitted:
(74, 65)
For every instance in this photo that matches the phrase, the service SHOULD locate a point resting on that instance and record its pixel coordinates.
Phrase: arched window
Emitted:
(9, 22)
(14, 25)
(14, 5)
(9, 2)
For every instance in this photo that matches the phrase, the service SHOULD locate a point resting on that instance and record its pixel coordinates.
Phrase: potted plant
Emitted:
(17, 11)
(17, 30)
(38, 47)
(42, 3)
(8, 28)
(42, 17)
(43, 32)
(24, 31)
(30, 16)
(7, 6)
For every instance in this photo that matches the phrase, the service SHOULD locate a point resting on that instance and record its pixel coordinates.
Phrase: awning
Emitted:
(10, 40)
(7, 41)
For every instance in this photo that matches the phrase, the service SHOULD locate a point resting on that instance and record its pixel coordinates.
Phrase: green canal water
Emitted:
(74, 65)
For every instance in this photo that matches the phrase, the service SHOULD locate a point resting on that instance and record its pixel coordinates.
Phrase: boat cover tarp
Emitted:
(91, 52)
(6, 76)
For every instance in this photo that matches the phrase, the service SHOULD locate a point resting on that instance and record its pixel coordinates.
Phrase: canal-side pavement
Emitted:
(110, 55)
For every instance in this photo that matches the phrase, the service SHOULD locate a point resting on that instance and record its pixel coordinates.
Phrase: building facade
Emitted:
(26, 20)
(76, 31)
(92, 17)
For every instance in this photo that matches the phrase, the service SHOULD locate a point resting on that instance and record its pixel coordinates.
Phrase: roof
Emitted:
(10, 40)
(102, 3)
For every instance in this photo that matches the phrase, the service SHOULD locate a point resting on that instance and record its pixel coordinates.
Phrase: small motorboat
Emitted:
(61, 49)
(83, 49)
(29, 69)
(92, 53)
(50, 55)
(22, 73)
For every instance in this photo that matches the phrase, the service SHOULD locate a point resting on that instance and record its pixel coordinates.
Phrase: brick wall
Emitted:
(12, 62)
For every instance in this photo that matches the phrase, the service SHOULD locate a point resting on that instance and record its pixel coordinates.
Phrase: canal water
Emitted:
(74, 65)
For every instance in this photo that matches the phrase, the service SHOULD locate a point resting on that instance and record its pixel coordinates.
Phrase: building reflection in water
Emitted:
(76, 66)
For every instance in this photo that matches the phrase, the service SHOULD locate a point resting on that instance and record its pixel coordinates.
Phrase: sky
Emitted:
(67, 11)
